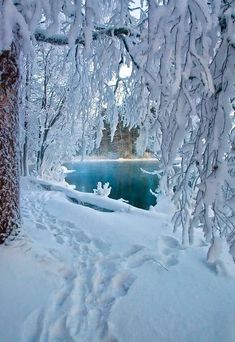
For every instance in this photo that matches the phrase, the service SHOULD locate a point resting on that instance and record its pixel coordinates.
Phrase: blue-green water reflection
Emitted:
(125, 178)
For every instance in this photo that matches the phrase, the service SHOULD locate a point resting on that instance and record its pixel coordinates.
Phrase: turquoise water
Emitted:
(125, 178)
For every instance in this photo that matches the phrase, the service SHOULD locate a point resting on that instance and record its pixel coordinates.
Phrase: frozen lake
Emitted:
(125, 177)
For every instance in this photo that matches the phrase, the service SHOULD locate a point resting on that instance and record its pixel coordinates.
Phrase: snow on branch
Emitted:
(102, 190)
(59, 39)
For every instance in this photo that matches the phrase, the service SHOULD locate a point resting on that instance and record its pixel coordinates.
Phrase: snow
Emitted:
(79, 274)
(218, 256)
(26, 282)
(102, 190)
(95, 159)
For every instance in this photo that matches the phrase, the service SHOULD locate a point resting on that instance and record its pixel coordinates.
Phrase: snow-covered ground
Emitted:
(79, 274)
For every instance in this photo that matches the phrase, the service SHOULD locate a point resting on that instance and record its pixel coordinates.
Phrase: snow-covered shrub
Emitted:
(102, 190)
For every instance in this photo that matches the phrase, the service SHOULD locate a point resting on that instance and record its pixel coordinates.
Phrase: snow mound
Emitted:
(219, 257)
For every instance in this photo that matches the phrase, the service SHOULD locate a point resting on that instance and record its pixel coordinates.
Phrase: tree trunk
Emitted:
(9, 142)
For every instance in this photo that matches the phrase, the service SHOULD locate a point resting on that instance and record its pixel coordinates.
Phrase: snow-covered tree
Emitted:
(185, 71)
(9, 148)
(22, 23)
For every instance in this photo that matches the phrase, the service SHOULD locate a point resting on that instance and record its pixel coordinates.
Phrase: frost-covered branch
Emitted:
(41, 35)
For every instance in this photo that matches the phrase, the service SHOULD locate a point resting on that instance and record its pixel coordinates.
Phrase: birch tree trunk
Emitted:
(9, 142)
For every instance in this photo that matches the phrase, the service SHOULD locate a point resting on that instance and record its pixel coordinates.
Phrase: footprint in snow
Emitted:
(121, 283)
(169, 249)
(40, 226)
(134, 250)
(170, 241)
(171, 261)
(165, 254)
(101, 245)
(80, 236)
(59, 239)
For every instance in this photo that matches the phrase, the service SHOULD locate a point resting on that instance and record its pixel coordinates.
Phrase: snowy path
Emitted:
(92, 279)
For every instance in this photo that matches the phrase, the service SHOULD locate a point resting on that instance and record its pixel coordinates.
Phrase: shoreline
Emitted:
(92, 160)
